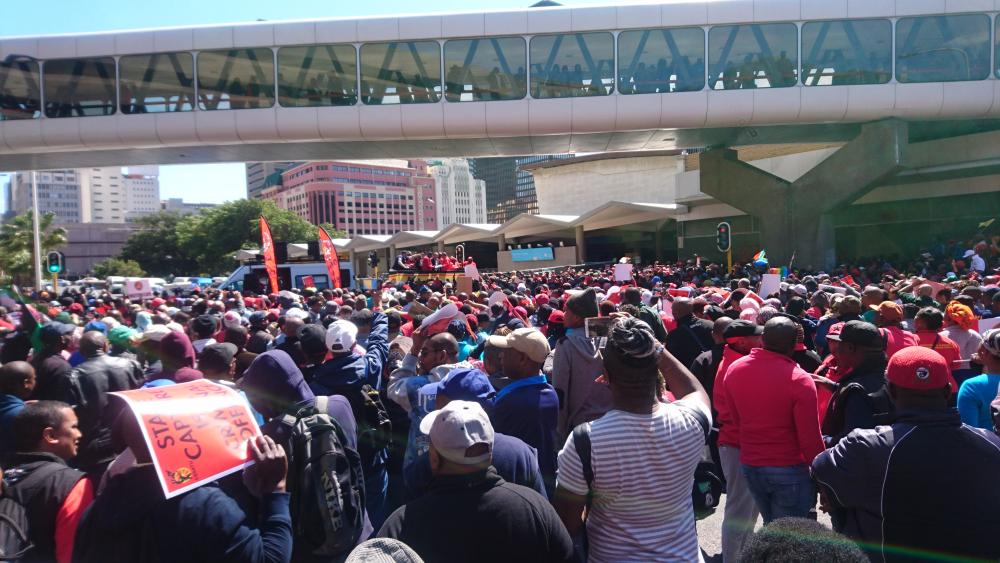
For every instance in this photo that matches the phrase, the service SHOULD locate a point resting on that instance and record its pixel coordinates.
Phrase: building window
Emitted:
(401, 73)
(753, 56)
(943, 48)
(21, 94)
(572, 65)
(236, 79)
(486, 69)
(79, 87)
(839, 53)
(661, 60)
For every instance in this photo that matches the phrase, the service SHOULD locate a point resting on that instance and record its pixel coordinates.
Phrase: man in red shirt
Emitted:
(741, 513)
(929, 321)
(773, 404)
(888, 316)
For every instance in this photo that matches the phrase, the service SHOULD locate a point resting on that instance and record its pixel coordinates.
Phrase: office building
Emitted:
(59, 192)
(360, 197)
(142, 192)
(89, 195)
(181, 207)
(262, 175)
(459, 197)
(510, 191)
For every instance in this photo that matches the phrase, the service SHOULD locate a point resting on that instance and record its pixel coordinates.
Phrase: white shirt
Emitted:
(643, 469)
(967, 339)
(978, 264)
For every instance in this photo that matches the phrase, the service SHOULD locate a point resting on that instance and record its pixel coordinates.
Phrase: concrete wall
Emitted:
(573, 189)
(90, 243)
(564, 256)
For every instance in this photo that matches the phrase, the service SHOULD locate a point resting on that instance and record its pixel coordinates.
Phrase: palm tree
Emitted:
(17, 243)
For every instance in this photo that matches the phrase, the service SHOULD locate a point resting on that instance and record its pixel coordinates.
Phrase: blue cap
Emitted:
(96, 325)
(424, 288)
(466, 384)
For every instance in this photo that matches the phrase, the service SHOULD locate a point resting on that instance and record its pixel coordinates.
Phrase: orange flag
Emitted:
(267, 249)
(330, 257)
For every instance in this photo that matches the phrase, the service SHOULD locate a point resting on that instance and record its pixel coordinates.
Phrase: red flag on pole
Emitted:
(267, 249)
(330, 257)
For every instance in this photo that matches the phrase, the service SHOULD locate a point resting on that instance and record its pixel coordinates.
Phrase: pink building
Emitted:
(362, 198)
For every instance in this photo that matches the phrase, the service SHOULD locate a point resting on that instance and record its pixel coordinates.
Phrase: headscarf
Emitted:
(961, 315)
(143, 320)
(273, 383)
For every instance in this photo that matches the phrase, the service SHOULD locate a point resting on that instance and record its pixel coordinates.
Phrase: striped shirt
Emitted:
(643, 471)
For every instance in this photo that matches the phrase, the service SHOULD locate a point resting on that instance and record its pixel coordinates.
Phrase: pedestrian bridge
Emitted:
(537, 81)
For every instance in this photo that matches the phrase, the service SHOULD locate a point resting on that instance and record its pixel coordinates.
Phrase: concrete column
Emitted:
(795, 217)
(581, 245)
(440, 246)
(353, 257)
(502, 242)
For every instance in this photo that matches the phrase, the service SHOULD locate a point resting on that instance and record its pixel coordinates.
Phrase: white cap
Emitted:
(968, 253)
(155, 332)
(456, 428)
(341, 336)
(800, 289)
(296, 313)
(231, 319)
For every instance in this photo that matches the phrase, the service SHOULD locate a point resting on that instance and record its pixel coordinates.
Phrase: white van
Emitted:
(290, 275)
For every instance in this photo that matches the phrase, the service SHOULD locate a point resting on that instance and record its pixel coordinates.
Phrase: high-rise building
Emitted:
(360, 197)
(59, 192)
(89, 195)
(459, 197)
(181, 207)
(510, 191)
(262, 175)
(142, 192)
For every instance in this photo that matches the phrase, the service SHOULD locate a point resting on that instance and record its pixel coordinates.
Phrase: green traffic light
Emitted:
(54, 268)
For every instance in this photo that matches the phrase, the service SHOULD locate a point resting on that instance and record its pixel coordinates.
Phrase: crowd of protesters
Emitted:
(430, 262)
(519, 432)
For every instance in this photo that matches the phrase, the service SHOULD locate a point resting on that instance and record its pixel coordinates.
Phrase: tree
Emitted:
(118, 267)
(17, 243)
(156, 247)
(333, 231)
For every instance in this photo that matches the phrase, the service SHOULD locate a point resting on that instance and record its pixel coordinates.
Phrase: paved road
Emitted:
(710, 532)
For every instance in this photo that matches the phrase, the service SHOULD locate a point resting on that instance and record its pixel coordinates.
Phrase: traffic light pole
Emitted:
(36, 235)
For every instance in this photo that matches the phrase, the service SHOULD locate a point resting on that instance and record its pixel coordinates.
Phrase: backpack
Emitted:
(374, 424)
(326, 483)
(14, 541)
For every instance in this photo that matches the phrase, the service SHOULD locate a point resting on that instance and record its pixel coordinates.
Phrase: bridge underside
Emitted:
(655, 139)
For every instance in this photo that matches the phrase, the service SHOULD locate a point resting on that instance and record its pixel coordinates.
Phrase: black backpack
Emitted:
(326, 483)
(374, 424)
(14, 540)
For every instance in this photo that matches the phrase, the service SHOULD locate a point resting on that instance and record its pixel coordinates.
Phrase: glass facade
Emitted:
(482, 70)
(20, 90)
(661, 60)
(752, 56)
(943, 48)
(317, 75)
(79, 87)
(572, 65)
(401, 73)
(841, 53)
(161, 82)
(236, 79)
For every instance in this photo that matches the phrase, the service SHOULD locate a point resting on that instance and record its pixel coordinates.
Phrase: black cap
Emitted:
(217, 357)
(203, 325)
(859, 333)
(51, 332)
(741, 327)
(312, 339)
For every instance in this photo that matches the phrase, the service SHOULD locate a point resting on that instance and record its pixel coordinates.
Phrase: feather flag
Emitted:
(267, 249)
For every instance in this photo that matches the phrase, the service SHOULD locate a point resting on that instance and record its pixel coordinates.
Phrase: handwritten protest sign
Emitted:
(769, 283)
(623, 272)
(196, 432)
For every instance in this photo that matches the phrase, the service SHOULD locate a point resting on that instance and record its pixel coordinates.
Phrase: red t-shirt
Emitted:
(773, 402)
(896, 339)
(944, 346)
(729, 432)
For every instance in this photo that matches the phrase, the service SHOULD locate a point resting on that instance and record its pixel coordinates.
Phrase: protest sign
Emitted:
(623, 272)
(138, 288)
(472, 271)
(986, 324)
(196, 432)
(769, 283)
(308, 281)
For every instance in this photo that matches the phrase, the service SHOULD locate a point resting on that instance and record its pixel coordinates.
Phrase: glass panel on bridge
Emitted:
(156, 83)
(661, 60)
(486, 69)
(317, 75)
(752, 56)
(401, 73)
(572, 65)
(943, 48)
(20, 90)
(79, 87)
(236, 79)
(847, 52)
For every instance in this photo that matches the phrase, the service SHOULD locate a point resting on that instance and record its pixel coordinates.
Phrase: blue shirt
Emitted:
(9, 407)
(974, 398)
(529, 409)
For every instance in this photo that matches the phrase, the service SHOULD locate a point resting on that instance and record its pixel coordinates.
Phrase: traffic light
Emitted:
(723, 237)
(55, 262)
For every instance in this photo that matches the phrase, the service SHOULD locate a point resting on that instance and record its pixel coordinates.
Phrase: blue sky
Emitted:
(220, 182)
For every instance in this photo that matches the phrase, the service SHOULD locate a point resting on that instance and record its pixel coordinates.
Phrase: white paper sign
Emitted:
(472, 271)
(986, 324)
(138, 288)
(623, 272)
(769, 283)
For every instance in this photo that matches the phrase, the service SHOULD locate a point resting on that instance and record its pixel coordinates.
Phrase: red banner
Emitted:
(196, 432)
(330, 256)
(267, 249)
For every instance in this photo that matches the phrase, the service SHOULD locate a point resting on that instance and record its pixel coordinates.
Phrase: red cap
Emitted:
(156, 302)
(557, 317)
(541, 299)
(919, 368)
(835, 330)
